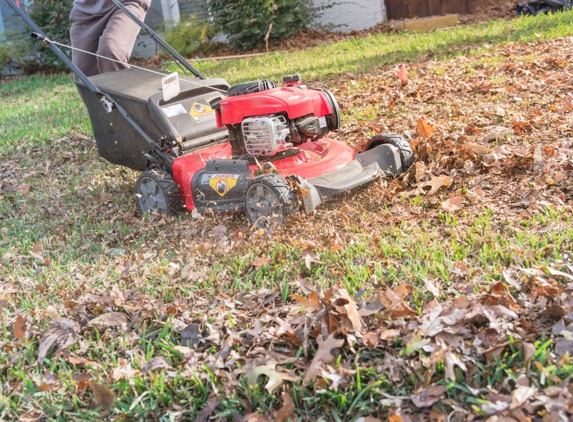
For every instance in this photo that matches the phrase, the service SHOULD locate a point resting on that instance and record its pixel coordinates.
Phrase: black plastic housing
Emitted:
(221, 186)
(139, 92)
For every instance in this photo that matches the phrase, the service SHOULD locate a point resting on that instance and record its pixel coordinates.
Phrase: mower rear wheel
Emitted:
(269, 200)
(156, 191)
(406, 151)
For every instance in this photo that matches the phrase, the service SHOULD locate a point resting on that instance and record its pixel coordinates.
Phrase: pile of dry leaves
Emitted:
(326, 337)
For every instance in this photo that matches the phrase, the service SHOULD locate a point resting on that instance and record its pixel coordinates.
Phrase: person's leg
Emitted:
(119, 36)
(85, 33)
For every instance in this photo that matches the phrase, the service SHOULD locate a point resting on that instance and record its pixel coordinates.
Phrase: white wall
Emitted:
(353, 14)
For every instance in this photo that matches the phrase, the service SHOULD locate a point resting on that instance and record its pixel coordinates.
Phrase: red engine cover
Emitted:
(294, 101)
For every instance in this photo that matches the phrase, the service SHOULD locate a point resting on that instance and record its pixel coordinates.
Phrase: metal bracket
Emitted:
(107, 104)
(310, 196)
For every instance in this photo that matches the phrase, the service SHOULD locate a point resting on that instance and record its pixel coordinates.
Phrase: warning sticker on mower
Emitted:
(174, 110)
(202, 112)
(223, 183)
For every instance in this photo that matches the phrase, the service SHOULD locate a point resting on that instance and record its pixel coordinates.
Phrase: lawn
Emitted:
(444, 293)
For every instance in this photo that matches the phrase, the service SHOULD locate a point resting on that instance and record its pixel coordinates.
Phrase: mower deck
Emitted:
(323, 169)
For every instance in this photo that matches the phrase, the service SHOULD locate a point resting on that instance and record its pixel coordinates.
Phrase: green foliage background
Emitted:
(246, 22)
(190, 36)
(53, 17)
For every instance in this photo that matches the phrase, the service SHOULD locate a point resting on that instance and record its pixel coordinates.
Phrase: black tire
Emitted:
(406, 151)
(269, 199)
(156, 191)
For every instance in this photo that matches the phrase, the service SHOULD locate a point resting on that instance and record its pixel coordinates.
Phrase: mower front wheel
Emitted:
(269, 200)
(406, 151)
(156, 191)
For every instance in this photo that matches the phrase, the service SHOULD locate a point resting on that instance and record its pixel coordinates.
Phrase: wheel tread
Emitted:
(167, 185)
(282, 189)
(406, 151)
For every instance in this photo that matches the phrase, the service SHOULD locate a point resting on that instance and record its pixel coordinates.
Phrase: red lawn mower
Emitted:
(254, 147)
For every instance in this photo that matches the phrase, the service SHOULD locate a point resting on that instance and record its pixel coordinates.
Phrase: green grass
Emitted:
(70, 240)
(366, 54)
(39, 108)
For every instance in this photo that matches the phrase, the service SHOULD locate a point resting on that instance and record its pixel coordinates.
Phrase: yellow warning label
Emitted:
(223, 183)
(202, 112)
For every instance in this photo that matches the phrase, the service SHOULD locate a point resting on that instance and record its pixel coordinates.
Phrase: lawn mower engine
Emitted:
(265, 122)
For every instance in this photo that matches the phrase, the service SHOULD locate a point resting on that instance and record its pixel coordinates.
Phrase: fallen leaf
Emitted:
(322, 357)
(520, 395)
(208, 408)
(275, 378)
(3, 303)
(19, 327)
(261, 261)
(419, 170)
(112, 319)
(117, 294)
(36, 252)
(310, 257)
(31, 416)
(311, 304)
(82, 379)
(191, 336)
(287, 409)
(61, 334)
(495, 406)
(155, 363)
(424, 129)
(346, 305)
(23, 188)
(218, 232)
(393, 301)
(124, 370)
(432, 324)
(451, 360)
(435, 183)
(428, 396)
(432, 287)
(389, 335)
(452, 204)
(564, 346)
(416, 343)
(337, 376)
(104, 397)
(370, 339)
(403, 74)
(79, 361)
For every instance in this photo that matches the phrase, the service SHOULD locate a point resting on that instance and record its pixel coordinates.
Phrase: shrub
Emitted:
(5, 55)
(52, 16)
(190, 36)
(247, 22)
